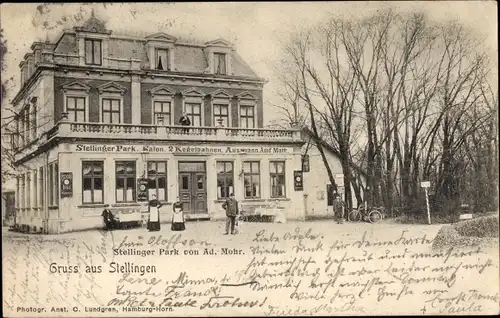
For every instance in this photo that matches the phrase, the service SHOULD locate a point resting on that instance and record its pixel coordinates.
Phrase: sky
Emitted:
(254, 28)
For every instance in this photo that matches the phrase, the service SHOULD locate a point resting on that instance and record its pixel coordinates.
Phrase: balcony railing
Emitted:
(155, 132)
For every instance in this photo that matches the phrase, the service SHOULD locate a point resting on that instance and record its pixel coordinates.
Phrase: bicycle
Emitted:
(361, 213)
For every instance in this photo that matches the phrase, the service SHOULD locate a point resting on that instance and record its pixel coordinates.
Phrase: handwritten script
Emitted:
(269, 269)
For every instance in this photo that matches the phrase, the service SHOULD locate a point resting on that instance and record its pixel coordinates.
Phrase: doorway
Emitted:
(329, 199)
(193, 187)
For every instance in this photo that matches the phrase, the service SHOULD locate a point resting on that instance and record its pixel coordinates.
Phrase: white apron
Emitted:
(153, 214)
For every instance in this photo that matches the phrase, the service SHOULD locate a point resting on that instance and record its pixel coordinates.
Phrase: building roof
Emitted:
(93, 24)
(327, 146)
(189, 57)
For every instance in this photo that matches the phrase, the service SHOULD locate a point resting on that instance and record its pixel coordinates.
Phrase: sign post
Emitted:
(426, 185)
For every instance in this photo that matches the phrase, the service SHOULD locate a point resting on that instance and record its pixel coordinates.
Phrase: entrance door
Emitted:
(193, 187)
(329, 198)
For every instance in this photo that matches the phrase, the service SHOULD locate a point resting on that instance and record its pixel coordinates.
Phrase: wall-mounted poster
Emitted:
(142, 190)
(298, 180)
(66, 184)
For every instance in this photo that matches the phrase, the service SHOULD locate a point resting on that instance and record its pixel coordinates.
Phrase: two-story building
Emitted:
(99, 128)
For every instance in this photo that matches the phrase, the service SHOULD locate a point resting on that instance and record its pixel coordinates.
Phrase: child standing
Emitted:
(178, 222)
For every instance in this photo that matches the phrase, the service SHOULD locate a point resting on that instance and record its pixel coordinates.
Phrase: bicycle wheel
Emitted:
(354, 216)
(374, 216)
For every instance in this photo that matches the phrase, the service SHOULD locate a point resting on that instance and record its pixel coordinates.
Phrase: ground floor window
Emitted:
(93, 182)
(42, 187)
(125, 181)
(225, 179)
(28, 189)
(53, 186)
(157, 179)
(35, 189)
(277, 173)
(22, 194)
(251, 177)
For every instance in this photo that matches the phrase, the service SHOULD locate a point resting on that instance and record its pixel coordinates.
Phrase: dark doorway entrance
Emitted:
(193, 187)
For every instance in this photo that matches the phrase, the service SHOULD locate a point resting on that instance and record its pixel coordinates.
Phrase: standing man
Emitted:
(185, 121)
(338, 209)
(231, 207)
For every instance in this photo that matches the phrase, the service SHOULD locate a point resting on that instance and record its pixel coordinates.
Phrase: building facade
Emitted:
(318, 191)
(98, 127)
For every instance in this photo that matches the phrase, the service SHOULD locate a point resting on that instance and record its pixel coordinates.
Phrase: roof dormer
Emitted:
(160, 49)
(220, 43)
(93, 42)
(218, 54)
(161, 37)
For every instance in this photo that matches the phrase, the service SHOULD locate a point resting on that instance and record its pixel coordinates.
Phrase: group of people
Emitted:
(231, 206)
(178, 222)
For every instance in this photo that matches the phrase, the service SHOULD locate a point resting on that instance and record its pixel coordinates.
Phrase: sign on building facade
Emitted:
(142, 190)
(66, 184)
(298, 180)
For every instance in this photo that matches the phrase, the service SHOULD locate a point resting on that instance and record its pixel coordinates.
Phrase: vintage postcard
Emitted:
(249, 159)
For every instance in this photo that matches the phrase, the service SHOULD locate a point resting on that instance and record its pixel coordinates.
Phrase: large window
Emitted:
(21, 130)
(75, 107)
(247, 117)
(277, 173)
(221, 111)
(53, 172)
(161, 59)
(35, 189)
(220, 63)
(225, 179)
(56, 183)
(42, 187)
(111, 111)
(22, 194)
(193, 111)
(33, 122)
(27, 123)
(161, 113)
(28, 189)
(50, 177)
(125, 181)
(251, 175)
(93, 52)
(157, 179)
(93, 182)
(18, 192)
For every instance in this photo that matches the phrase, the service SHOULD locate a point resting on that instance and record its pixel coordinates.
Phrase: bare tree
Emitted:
(410, 86)
(298, 80)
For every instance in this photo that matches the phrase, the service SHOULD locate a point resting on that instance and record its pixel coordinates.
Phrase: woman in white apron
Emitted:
(154, 214)
(178, 222)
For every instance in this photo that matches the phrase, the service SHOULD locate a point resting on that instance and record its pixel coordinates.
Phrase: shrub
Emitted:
(483, 231)
(479, 227)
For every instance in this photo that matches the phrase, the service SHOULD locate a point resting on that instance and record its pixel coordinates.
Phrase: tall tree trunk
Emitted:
(355, 182)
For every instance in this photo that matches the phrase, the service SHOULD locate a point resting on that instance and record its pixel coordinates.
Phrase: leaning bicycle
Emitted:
(368, 214)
